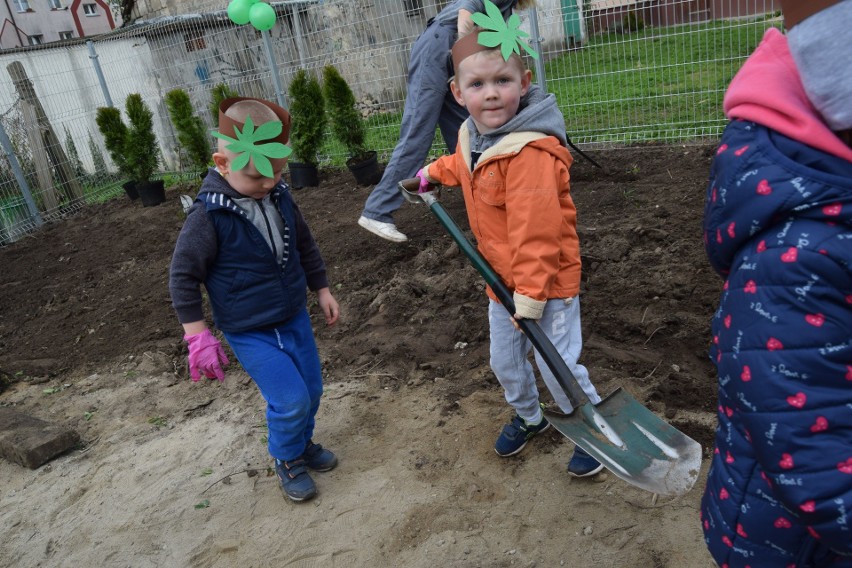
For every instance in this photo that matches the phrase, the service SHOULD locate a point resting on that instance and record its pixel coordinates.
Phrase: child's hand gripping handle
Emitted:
(425, 185)
(419, 189)
(206, 355)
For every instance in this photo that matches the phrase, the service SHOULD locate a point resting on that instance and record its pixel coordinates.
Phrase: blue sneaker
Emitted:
(295, 481)
(582, 464)
(318, 458)
(515, 435)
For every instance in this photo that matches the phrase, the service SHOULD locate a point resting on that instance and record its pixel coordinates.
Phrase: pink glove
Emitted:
(205, 356)
(425, 185)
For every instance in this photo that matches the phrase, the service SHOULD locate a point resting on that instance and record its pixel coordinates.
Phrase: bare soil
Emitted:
(175, 473)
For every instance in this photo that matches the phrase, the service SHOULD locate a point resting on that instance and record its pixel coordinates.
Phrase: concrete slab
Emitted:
(32, 442)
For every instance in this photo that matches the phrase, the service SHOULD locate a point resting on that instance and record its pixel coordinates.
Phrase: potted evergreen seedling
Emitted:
(191, 131)
(348, 127)
(114, 131)
(142, 151)
(308, 129)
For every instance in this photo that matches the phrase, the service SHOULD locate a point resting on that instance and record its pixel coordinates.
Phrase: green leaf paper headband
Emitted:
(246, 141)
(495, 32)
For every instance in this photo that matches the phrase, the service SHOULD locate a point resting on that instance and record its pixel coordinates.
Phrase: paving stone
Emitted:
(32, 442)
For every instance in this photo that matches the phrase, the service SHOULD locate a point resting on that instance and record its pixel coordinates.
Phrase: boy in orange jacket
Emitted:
(512, 165)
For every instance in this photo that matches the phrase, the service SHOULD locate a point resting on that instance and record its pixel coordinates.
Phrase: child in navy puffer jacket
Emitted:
(778, 228)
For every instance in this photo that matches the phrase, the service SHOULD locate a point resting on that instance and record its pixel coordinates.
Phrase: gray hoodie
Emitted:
(537, 113)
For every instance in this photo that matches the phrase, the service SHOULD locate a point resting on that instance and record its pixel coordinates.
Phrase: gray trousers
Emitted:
(428, 103)
(510, 349)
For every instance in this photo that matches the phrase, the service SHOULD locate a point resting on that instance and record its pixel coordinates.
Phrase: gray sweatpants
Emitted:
(510, 348)
(428, 103)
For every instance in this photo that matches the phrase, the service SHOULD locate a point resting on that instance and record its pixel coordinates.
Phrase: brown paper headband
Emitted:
(466, 46)
(267, 150)
(227, 124)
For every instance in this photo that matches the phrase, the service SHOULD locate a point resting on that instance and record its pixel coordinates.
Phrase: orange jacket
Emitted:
(520, 210)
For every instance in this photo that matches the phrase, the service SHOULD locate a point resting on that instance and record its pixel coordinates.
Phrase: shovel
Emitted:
(627, 438)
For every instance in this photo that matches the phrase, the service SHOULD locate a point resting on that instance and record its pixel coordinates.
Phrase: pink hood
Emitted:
(767, 90)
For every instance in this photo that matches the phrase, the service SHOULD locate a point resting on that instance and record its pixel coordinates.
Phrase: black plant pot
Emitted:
(365, 168)
(303, 175)
(152, 192)
(130, 190)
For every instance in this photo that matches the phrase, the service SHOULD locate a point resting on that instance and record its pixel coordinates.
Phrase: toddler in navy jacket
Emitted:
(246, 241)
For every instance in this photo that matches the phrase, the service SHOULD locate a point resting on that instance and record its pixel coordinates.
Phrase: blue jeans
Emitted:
(285, 366)
(510, 349)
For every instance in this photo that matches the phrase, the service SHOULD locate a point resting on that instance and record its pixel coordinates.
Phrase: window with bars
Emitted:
(194, 40)
(413, 8)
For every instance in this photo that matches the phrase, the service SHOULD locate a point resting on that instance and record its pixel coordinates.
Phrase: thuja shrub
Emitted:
(307, 108)
(191, 131)
(114, 131)
(141, 144)
(346, 123)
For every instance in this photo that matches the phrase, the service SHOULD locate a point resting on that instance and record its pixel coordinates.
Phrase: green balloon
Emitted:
(238, 11)
(262, 16)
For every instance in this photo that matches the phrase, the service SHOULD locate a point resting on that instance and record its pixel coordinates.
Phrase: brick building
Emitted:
(34, 22)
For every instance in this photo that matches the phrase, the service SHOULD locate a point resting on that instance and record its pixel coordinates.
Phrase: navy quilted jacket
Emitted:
(248, 286)
(778, 228)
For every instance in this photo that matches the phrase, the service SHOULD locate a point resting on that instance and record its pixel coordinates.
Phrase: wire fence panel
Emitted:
(649, 72)
(623, 71)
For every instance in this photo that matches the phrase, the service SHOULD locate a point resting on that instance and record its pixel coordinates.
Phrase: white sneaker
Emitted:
(387, 231)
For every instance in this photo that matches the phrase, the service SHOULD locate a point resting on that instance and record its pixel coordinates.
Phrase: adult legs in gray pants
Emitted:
(428, 103)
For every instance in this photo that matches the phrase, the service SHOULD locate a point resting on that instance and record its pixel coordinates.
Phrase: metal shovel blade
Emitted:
(633, 443)
(627, 438)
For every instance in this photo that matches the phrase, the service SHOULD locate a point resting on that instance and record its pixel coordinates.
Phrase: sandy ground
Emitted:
(415, 487)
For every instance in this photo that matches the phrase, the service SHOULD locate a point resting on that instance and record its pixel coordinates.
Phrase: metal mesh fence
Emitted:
(622, 71)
